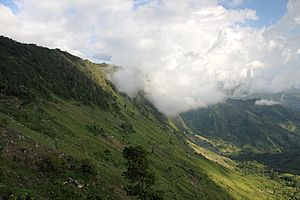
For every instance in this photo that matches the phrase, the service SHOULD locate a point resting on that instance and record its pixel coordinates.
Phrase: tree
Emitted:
(141, 178)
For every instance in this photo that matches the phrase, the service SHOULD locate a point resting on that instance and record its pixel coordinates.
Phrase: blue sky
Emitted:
(268, 11)
(9, 3)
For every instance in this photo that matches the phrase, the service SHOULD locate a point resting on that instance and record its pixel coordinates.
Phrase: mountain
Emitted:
(289, 98)
(63, 127)
(243, 129)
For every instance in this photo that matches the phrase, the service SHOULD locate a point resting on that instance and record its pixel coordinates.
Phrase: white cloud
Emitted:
(184, 54)
(297, 19)
(266, 102)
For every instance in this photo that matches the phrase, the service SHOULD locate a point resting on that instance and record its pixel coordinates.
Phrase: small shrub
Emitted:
(87, 168)
(54, 164)
(95, 129)
(127, 128)
(4, 122)
(107, 155)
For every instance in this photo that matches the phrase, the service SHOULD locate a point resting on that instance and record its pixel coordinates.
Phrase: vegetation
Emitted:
(95, 129)
(140, 177)
(244, 131)
(288, 161)
(29, 72)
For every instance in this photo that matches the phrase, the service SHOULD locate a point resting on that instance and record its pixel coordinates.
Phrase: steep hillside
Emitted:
(245, 131)
(250, 127)
(63, 127)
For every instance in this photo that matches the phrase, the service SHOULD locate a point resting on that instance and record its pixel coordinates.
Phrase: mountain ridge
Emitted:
(242, 130)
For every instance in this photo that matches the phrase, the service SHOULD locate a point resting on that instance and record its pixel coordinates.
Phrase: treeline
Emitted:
(28, 71)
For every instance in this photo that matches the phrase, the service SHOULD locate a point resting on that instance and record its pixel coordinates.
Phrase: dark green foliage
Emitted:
(95, 129)
(288, 161)
(28, 72)
(127, 128)
(141, 178)
(107, 155)
(4, 122)
(54, 164)
(9, 195)
(87, 168)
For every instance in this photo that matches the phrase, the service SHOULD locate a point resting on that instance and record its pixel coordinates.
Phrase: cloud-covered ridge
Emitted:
(183, 54)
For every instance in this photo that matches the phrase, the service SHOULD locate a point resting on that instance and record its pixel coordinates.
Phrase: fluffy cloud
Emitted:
(183, 54)
(266, 102)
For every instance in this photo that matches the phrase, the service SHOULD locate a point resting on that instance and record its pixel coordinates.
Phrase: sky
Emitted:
(184, 54)
(267, 11)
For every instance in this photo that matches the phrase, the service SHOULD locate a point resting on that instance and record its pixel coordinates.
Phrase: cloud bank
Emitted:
(183, 54)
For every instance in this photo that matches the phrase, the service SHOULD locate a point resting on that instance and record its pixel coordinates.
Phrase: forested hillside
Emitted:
(243, 130)
(248, 126)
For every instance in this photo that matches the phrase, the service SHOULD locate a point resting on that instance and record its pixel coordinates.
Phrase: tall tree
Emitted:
(141, 178)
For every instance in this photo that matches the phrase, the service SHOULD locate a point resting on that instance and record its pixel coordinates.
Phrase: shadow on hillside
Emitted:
(288, 161)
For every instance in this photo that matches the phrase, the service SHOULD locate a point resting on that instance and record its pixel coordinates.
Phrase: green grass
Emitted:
(181, 173)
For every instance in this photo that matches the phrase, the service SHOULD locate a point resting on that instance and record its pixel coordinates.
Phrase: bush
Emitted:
(54, 164)
(87, 168)
(95, 129)
(127, 127)
(4, 122)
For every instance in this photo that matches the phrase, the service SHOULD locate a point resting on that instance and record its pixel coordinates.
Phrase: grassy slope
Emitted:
(37, 129)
